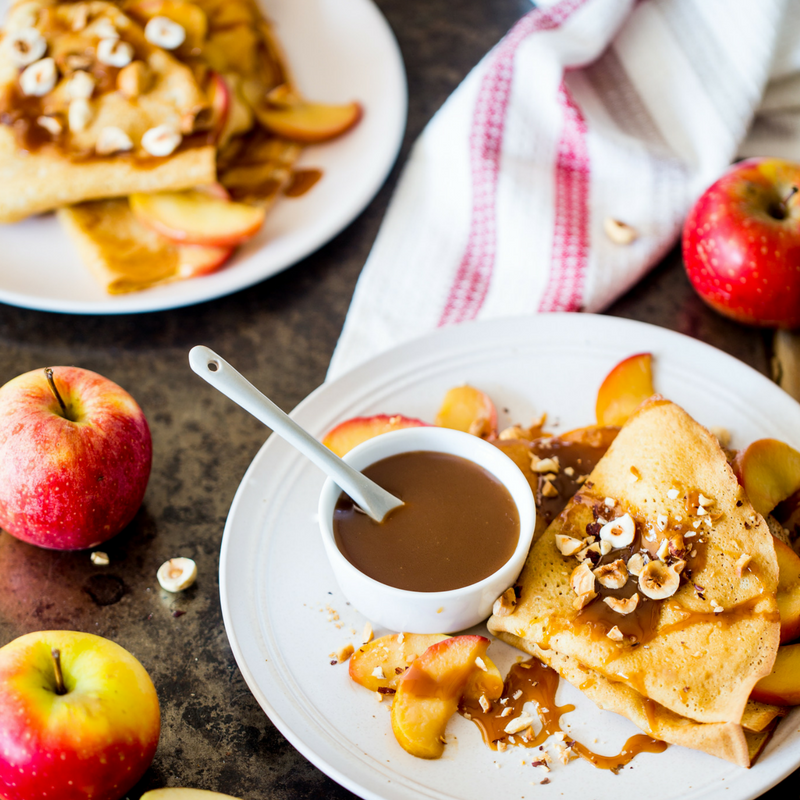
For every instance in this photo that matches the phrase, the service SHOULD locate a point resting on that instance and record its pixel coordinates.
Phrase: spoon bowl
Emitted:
(371, 498)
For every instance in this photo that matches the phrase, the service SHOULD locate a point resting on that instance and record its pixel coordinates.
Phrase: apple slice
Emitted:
(194, 217)
(196, 260)
(788, 595)
(389, 656)
(782, 686)
(176, 793)
(346, 435)
(769, 472)
(309, 123)
(430, 690)
(624, 389)
(468, 409)
(215, 117)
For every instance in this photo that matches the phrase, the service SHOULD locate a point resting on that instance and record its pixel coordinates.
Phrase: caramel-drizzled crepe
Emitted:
(697, 654)
(67, 170)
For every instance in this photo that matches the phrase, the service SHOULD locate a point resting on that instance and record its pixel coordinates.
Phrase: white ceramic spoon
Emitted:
(374, 500)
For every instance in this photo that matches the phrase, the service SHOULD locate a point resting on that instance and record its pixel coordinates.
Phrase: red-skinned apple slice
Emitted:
(346, 435)
(624, 389)
(468, 409)
(788, 595)
(193, 217)
(309, 123)
(782, 686)
(429, 692)
(196, 260)
(219, 100)
(769, 472)
(389, 656)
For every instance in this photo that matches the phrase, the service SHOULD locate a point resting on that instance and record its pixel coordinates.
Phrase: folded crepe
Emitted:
(654, 590)
(50, 154)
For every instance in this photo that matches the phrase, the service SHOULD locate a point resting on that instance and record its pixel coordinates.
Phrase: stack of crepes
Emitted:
(654, 591)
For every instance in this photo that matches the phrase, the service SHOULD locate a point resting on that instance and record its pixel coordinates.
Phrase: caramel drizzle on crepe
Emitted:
(705, 648)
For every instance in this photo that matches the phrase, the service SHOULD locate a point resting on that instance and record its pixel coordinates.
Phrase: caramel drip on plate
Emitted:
(533, 681)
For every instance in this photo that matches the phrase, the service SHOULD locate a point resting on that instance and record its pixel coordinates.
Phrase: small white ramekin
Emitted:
(429, 612)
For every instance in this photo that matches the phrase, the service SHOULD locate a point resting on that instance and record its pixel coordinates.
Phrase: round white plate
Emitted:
(338, 51)
(284, 613)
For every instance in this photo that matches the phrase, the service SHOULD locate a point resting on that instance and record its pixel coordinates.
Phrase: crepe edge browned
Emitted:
(727, 740)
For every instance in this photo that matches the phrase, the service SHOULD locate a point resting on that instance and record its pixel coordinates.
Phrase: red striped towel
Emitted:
(586, 111)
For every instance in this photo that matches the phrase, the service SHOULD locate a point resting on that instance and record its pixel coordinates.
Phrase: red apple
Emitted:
(741, 243)
(91, 733)
(75, 456)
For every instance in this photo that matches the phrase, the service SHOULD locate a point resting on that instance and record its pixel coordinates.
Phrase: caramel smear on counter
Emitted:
(532, 681)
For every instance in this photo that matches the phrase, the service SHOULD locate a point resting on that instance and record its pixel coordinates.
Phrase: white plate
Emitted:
(277, 588)
(338, 50)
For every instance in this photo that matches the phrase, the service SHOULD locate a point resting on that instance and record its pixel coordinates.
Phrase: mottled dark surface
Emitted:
(282, 333)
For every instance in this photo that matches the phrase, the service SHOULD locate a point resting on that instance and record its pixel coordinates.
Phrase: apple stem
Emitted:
(60, 687)
(789, 196)
(48, 371)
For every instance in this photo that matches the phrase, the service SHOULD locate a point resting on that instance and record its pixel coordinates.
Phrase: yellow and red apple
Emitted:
(624, 389)
(465, 408)
(346, 435)
(196, 217)
(741, 243)
(75, 457)
(428, 693)
(88, 734)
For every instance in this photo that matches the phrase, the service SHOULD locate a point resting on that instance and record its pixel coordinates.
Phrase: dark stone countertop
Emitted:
(282, 332)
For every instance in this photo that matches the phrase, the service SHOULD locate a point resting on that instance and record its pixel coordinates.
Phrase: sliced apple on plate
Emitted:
(196, 260)
(309, 123)
(465, 408)
(624, 389)
(788, 595)
(769, 472)
(346, 435)
(782, 686)
(429, 692)
(380, 663)
(195, 217)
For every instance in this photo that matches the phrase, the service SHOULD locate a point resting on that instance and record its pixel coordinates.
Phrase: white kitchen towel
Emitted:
(587, 110)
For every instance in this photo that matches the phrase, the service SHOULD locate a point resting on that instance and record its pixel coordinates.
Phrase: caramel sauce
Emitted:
(301, 181)
(577, 456)
(728, 616)
(458, 524)
(641, 625)
(532, 681)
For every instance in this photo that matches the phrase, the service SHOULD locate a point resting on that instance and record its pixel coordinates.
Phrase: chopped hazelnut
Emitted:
(505, 604)
(621, 605)
(613, 575)
(619, 232)
(134, 80)
(568, 545)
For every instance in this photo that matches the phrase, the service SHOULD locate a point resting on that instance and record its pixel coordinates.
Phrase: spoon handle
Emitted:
(375, 500)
